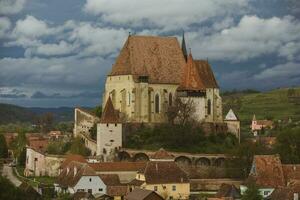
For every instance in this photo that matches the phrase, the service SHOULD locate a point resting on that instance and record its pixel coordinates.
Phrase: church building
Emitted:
(151, 71)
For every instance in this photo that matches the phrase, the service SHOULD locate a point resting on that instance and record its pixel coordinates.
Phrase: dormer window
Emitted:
(143, 79)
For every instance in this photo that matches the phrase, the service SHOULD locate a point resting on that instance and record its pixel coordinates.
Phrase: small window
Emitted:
(164, 187)
(90, 191)
(104, 151)
(116, 124)
(174, 187)
(155, 188)
(106, 125)
(171, 198)
(100, 189)
(90, 179)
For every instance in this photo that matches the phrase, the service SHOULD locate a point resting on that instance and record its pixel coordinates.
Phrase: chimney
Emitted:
(296, 196)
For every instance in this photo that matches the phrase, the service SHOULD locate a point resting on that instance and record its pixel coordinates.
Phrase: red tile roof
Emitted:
(38, 144)
(117, 166)
(73, 157)
(109, 115)
(206, 74)
(291, 172)
(157, 172)
(162, 154)
(70, 177)
(191, 76)
(267, 171)
(160, 57)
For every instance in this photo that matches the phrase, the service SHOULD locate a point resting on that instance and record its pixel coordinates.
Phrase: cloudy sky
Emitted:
(57, 53)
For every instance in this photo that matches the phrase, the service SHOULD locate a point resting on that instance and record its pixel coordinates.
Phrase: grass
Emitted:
(275, 105)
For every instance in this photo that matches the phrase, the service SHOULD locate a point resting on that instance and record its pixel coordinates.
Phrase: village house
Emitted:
(125, 170)
(55, 135)
(259, 125)
(151, 71)
(270, 175)
(162, 175)
(39, 163)
(80, 177)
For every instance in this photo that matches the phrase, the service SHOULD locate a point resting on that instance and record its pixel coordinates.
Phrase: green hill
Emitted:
(276, 104)
(12, 114)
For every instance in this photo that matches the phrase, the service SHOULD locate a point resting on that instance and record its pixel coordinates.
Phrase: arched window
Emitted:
(170, 99)
(156, 103)
(208, 106)
(129, 98)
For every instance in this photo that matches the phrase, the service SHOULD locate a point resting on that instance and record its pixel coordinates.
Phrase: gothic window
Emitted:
(209, 107)
(170, 99)
(156, 103)
(129, 98)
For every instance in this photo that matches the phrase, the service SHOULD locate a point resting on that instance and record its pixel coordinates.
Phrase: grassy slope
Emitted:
(275, 104)
(12, 113)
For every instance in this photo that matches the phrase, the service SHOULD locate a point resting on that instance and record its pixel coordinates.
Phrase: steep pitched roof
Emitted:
(117, 166)
(110, 179)
(183, 47)
(109, 114)
(267, 171)
(72, 173)
(162, 57)
(162, 154)
(157, 172)
(231, 116)
(206, 74)
(191, 79)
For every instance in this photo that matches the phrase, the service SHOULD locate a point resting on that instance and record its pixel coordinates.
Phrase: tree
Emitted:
(288, 146)
(9, 191)
(3, 147)
(78, 147)
(181, 111)
(93, 132)
(98, 111)
(252, 193)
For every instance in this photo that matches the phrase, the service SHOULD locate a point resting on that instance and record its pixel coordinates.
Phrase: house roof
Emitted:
(231, 116)
(157, 172)
(291, 172)
(109, 114)
(206, 74)
(140, 194)
(267, 171)
(162, 154)
(119, 190)
(284, 193)
(191, 79)
(228, 190)
(73, 157)
(38, 144)
(264, 122)
(72, 173)
(117, 166)
(160, 57)
(110, 179)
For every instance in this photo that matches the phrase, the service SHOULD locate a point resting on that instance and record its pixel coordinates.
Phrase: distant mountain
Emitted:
(61, 114)
(12, 114)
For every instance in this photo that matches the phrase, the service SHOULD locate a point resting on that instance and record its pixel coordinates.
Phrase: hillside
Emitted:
(12, 113)
(275, 104)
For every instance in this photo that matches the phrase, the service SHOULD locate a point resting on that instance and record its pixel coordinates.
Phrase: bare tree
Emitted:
(181, 111)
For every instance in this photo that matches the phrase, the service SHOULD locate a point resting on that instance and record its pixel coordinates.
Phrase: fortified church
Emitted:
(151, 71)
(148, 75)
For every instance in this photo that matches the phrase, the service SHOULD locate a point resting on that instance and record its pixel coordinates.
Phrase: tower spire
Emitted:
(183, 47)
